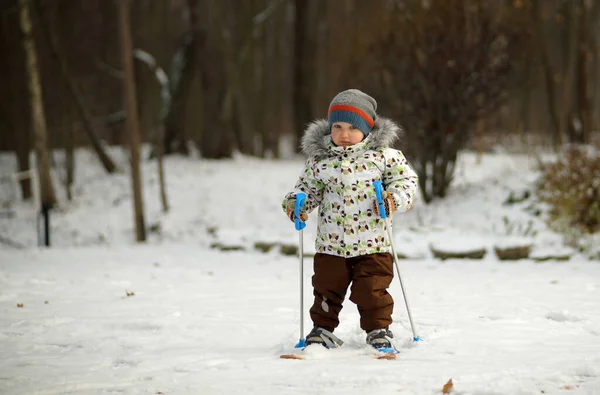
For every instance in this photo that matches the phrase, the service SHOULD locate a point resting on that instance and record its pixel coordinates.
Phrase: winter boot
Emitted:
(323, 337)
(380, 338)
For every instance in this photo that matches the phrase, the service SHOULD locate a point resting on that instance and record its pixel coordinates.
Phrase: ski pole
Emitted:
(388, 227)
(300, 198)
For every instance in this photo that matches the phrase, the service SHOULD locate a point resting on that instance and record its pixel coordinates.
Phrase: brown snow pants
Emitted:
(370, 276)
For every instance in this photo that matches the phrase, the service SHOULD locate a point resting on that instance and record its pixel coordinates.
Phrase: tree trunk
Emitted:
(593, 42)
(237, 38)
(244, 44)
(65, 73)
(584, 54)
(524, 106)
(157, 123)
(437, 159)
(150, 19)
(17, 112)
(132, 117)
(270, 81)
(548, 73)
(160, 154)
(217, 138)
(425, 181)
(23, 148)
(303, 69)
(175, 136)
(47, 195)
(176, 133)
(569, 76)
(245, 125)
(69, 144)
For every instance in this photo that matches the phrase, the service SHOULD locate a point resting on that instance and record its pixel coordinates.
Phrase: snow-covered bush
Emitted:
(571, 188)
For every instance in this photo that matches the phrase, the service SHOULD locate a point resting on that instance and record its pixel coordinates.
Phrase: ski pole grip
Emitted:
(300, 198)
(379, 195)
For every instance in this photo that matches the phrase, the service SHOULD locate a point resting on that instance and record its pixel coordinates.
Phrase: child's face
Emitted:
(345, 134)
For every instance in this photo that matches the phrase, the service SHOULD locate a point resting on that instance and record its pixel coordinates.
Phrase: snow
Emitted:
(100, 314)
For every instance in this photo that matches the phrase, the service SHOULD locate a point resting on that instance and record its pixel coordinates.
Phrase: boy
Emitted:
(346, 153)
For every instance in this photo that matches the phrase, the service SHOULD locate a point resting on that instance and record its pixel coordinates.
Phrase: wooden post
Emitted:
(38, 116)
(159, 140)
(133, 124)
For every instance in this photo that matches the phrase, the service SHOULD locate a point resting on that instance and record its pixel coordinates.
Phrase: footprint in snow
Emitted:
(562, 317)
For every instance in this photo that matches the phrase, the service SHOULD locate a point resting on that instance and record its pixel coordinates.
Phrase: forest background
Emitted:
(212, 78)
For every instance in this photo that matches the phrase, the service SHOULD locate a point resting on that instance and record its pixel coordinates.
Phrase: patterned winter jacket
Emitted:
(339, 180)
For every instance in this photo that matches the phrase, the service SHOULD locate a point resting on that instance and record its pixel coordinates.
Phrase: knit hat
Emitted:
(354, 107)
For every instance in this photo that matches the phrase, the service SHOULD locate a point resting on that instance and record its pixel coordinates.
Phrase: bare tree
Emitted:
(69, 161)
(244, 46)
(444, 64)
(201, 59)
(570, 72)
(304, 67)
(48, 197)
(564, 41)
(152, 32)
(216, 141)
(16, 114)
(270, 84)
(547, 69)
(588, 13)
(251, 71)
(133, 124)
(176, 136)
(159, 124)
(78, 100)
(593, 50)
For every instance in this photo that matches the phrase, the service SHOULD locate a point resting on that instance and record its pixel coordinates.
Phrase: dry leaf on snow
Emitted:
(447, 387)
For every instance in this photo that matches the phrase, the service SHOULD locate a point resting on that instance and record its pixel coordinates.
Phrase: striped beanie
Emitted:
(354, 107)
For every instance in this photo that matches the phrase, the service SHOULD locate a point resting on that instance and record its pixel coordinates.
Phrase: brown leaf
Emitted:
(291, 356)
(448, 387)
(569, 387)
(20, 305)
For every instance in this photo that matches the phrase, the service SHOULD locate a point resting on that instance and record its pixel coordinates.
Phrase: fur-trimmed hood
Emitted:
(316, 141)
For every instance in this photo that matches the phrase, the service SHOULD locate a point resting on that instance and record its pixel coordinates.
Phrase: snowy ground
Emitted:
(97, 314)
(237, 202)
